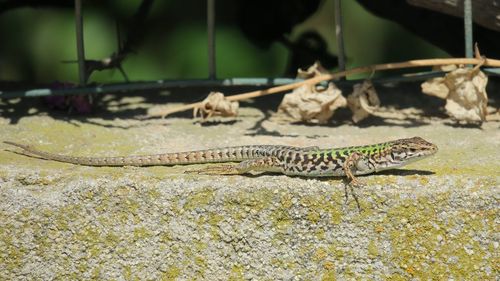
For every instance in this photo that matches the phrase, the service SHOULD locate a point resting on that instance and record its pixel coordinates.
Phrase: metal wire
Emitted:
(211, 39)
(468, 28)
(339, 34)
(79, 42)
(208, 83)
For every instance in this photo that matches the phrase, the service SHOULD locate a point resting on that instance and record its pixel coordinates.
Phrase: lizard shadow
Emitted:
(395, 172)
(403, 172)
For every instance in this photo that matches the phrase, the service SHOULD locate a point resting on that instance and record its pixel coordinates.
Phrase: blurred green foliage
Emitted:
(35, 42)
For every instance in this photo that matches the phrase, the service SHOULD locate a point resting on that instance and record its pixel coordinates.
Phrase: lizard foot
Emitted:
(352, 185)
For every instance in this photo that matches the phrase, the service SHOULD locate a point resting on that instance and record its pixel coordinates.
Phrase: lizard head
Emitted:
(412, 149)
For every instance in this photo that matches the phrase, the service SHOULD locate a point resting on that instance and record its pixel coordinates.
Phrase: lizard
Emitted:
(289, 160)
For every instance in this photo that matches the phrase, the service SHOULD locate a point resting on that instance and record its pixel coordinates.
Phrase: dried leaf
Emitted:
(363, 101)
(446, 68)
(436, 87)
(310, 104)
(216, 105)
(313, 71)
(465, 92)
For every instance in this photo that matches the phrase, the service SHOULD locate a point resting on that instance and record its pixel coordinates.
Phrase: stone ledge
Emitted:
(434, 219)
(239, 227)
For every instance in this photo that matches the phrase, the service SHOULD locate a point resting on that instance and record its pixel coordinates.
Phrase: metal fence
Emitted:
(212, 80)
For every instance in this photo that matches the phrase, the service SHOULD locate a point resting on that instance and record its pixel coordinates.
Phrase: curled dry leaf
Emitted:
(363, 101)
(216, 105)
(313, 71)
(465, 92)
(310, 104)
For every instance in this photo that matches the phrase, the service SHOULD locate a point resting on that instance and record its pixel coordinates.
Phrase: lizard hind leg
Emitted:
(260, 164)
(226, 169)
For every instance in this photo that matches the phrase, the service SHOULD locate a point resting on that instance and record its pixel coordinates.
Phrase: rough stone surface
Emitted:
(436, 219)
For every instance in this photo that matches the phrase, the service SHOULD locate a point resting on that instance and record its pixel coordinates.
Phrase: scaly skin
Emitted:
(289, 160)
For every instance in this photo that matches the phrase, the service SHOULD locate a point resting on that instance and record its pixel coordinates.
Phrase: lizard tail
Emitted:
(90, 161)
(229, 154)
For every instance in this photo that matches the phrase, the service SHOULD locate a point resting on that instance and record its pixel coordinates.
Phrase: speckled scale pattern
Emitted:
(327, 162)
(216, 155)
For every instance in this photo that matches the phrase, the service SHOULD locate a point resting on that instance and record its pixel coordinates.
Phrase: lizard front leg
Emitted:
(264, 164)
(351, 163)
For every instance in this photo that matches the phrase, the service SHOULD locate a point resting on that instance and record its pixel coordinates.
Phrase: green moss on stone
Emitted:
(422, 248)
(329, 276)
(165, 236)
(171, 274)
(141, 233)
(200, 246)
(320, 254)
(281, 219)
(201, 263)
(111, 240)
(241, 204)
(237, 273)
(335, 252)
(199, 199)
(127, 272)
(372, 249)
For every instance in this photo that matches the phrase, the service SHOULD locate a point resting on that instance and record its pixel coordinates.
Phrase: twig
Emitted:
(135, 34)
(331, 76)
